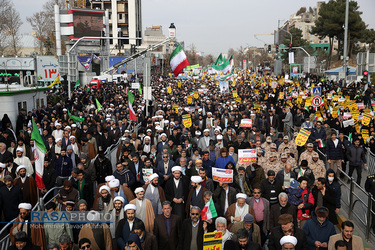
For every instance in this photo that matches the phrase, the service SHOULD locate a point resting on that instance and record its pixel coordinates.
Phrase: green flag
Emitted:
(77, 84)
(98, 105)
(140, 89)
(131, 97)
(350, 137)
(75, 118)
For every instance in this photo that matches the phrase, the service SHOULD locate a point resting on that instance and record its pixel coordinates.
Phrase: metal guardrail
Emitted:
(5, 241)
(355, 198)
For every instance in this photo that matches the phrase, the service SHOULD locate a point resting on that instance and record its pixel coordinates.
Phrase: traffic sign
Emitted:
(317, 101)
(317, 91)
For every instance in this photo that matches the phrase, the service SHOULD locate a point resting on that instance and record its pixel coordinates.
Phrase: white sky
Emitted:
(214, 26)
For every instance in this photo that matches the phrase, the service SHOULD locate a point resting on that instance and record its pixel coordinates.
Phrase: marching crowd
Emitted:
(161, 185)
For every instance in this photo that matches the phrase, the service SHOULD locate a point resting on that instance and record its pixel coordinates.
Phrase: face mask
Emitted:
(331, 178)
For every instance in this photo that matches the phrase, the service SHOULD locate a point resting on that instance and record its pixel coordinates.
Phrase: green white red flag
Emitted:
(178, 60)
(209, 210)
(39, 154)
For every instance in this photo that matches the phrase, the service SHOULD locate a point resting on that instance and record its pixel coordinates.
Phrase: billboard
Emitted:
(47, 68)
(86, 23)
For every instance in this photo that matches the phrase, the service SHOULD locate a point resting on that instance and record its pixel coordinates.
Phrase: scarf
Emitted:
(105, 204)
(81, 184)
(113, 225)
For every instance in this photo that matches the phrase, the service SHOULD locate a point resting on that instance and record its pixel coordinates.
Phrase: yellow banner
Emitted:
(169, 89)
(189, 100)
(196, 95)
(179, 84)
(366, 119)
(302, 137)
(186, 120)
(281, 95)
(235, 93)
(213, 241)
(238, 99)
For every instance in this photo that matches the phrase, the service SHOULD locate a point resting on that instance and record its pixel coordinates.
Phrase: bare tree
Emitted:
(12, 27)
(4, 5)
(39, 21)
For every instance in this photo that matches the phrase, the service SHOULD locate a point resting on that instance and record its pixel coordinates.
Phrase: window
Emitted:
(22, 105)
(120, 16)
(37, 103)
(41, 102)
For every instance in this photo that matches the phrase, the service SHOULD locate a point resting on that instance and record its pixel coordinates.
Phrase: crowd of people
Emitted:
(162, 176)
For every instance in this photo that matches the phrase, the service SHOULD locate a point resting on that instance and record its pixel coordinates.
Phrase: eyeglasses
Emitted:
(256, 192)
(165, 156)
(23, 213)
(85, 247)
(194, 213)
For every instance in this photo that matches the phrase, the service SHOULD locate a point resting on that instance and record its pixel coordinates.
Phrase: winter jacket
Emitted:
(315, 134)
(318, 232)
(64, 166)
(335, 185)
(103, 169)
(356, 156)
(308, 202)
(329, 201)
(334, 153)
(277, 233)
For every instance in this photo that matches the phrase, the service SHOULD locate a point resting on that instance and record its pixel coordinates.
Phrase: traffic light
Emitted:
(120, 41)
(290, 47)
(365, 77)
(277, 48)
(269, 49)
(133, 49)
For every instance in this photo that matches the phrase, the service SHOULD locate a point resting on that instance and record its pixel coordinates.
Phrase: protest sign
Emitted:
(247, 156)
(222, 175)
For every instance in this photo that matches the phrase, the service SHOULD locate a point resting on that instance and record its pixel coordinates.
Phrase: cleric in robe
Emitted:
(145, 211)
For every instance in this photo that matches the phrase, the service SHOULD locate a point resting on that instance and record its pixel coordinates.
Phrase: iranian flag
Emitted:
(208, 211)
(321, 143)
(39, 153)
(132, 114)
(178, 60)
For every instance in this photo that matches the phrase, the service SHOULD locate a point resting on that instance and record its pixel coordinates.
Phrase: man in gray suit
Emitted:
(288, 123)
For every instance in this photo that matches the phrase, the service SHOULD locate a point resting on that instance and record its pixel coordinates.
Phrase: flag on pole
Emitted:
(178, 60)
(321, 143)
(140, 89)
(39, 154)
(131, 97)
(98, 105)
(132, 114)
(56, 81)
(208, 211)
(77, 84)
(75, 118)
(350, 137)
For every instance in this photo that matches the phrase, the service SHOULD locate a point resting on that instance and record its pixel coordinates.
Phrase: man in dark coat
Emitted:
(271, 187)
(192, 228)
(242, 242)
(103, 167)
(125, 225)
(221, 194)
(64, 164)
(148, 240)
(84, 187)
(177, 190)
(283, 207)
(10, 197)
(287, 228)
(167, 228)
(326, 197)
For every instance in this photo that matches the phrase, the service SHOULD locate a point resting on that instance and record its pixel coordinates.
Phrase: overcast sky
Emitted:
(214, 26)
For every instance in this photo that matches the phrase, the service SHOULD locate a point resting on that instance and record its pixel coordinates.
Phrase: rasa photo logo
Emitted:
(70, 217)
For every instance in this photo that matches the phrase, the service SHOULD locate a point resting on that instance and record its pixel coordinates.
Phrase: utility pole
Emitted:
(345, 61)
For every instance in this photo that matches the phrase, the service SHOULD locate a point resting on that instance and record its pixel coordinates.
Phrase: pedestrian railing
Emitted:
(354, 199)
(39, 206)
(370, 158)
(357, 203)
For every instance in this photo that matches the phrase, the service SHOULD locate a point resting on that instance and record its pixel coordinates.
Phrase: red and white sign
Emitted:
(317, 101)
(246, 123)
(222, 175)
(247, 156)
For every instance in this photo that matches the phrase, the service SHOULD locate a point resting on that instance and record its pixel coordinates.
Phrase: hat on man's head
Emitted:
(248, 218)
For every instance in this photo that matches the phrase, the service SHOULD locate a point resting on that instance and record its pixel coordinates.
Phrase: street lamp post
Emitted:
(345, 61)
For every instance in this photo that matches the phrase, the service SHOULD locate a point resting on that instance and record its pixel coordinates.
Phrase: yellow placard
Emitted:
(169, 89)
(179, 84)
(302, 137)
(281, 95)
(186, 120)
(213, 241)
(238, 99)
(235, 93)
(196, 94)
(175, 107)
(189, 100)
(366, 119)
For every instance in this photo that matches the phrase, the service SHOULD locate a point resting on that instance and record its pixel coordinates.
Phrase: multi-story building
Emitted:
(305, 20)
(125, 19)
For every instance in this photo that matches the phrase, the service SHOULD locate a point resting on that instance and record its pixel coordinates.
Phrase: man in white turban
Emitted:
(23, 160)
(145, 211)
(125, 226)
(236, 213)
(288, 242)
(117, 214)
(196, 194)
(154, 193)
